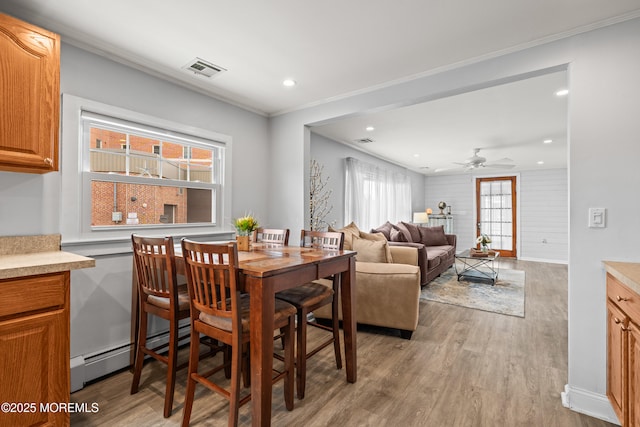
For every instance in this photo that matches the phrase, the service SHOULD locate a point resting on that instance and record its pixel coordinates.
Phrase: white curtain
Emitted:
(374, 195)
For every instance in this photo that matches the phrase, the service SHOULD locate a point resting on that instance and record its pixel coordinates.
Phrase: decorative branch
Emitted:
(319, 196)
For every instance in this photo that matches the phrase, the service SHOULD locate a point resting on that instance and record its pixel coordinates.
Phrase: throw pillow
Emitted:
(385, 229)
(379, 238)
(370, 250)
(397, 236)
(349, 231)
(404, 231)
(433, 236)
(413, 231)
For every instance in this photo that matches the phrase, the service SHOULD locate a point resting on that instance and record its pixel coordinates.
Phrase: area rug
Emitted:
(506, 297)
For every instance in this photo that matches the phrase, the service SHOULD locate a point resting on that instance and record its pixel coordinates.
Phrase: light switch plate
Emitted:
(597, 217)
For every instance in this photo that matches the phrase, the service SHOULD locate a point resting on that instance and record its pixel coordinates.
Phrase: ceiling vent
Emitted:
(364, 140)
(203, 68)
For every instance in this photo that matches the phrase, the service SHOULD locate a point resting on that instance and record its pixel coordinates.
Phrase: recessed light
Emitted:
(562, 92)
(540, 162)
(369, 128)
(547, 141)
(416, 155)
(289, 82)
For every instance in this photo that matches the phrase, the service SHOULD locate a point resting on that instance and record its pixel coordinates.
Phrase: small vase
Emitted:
(244, 243)
(485, 248)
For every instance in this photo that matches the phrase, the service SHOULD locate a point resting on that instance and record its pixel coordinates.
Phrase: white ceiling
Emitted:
(508, 121)
(333, 49)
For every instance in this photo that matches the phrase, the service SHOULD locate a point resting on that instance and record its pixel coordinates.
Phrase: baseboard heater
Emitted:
(96, 365)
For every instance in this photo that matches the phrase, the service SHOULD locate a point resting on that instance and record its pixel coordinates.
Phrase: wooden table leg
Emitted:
(262, 300)
(348, 294)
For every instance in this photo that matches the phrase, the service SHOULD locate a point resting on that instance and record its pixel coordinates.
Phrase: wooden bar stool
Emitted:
(312, 296)
(160, 296)
(220, 311)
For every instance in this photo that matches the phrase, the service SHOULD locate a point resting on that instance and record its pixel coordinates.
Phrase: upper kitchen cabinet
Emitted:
(29, 97)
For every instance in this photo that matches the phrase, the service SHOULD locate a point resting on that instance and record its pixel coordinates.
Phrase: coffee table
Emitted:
(477, 267)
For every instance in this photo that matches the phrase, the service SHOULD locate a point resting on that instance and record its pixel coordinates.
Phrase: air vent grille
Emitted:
(203, 68)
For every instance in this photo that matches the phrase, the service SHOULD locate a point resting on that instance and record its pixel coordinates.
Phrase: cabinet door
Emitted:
(634, 375)
(29, 96)
(34, 354)
(616, 359)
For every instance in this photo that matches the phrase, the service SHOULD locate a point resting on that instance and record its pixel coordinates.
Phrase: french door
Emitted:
(496, 212)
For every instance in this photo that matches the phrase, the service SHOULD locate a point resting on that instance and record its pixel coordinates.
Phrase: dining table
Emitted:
(264, 270)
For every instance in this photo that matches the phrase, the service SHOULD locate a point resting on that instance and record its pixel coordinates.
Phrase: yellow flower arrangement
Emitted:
(246, 225)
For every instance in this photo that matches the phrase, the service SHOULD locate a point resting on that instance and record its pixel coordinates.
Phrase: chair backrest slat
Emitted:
(322, 239)
(273, 235)
(212, 277)
(155, 265)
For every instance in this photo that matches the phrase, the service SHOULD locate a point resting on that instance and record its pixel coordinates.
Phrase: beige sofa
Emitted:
(387, 293)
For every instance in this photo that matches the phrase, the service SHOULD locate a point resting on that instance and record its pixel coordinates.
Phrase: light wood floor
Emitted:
(462, 367)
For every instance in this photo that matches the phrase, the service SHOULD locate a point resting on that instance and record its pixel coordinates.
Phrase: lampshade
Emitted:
(420, 217)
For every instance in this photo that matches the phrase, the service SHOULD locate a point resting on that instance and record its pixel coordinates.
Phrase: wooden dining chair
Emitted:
(220, 311)
(159, 295)
(312, 296)
(273, 235)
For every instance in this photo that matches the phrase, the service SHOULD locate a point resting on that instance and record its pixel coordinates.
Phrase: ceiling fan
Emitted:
(476, 161)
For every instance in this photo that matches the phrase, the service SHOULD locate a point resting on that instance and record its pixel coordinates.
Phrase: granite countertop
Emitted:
(22, 256)
(626, 272)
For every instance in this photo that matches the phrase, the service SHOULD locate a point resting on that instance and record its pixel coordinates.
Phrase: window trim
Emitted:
(75, 223)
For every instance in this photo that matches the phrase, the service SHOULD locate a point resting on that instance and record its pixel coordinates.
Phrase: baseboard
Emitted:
(588, 403)
(549, 261)
(96, 365)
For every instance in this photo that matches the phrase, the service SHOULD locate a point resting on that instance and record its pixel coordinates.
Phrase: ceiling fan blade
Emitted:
(498, 166)
(448, 169)
(503, 160)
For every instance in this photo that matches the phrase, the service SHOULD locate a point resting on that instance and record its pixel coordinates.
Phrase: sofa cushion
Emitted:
(433, 262)
(385, 229)
(397, 235)
(437, 251)
(370, 250)
(432, 236)
(349, 231)
(414, 232)
(378, 237)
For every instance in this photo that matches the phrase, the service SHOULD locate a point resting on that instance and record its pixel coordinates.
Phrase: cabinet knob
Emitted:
(619, 298)
(48, 161)
(616, 320)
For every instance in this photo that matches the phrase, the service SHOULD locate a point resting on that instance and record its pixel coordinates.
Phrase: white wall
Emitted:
(544, 215)
(332, 155)
(456, 191)
(603, 66)
(542, 211)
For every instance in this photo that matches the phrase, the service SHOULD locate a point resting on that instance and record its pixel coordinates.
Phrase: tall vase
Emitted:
(485, 248)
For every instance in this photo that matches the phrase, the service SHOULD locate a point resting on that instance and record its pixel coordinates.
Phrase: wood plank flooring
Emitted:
(462, 367)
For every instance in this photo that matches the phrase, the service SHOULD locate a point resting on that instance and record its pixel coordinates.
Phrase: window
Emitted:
(130, 174)
(374, 195)
(139, 171)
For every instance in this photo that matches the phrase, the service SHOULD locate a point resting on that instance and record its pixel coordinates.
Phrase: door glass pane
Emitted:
(496, 212)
